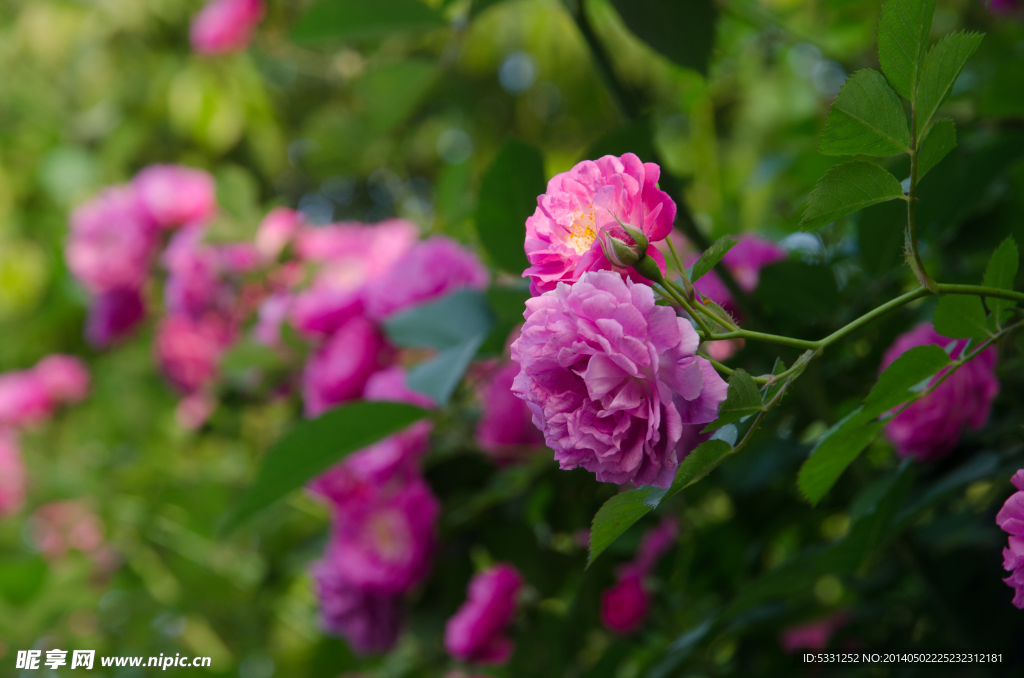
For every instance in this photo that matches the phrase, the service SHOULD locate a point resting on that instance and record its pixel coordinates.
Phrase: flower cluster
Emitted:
(1011, 520)
(28, 397)
(931, 427)
(624, 606)
(476, 633)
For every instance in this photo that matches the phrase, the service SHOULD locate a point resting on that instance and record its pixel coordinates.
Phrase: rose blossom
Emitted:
(930, 428)
(382, 541)
(225, 25)
(270, 317)
(24, 399)
(431, 269)
(12, 474)
(624, 606)
(562, 236)
(339, 369)
(113, 315)
(194, 283)
(370, 622)
(65, 378)
(189, 350)
(277, 230)
(506, 424)
(174, 194)
(111, 241)
(476, 633)
(1011, 519)
(611, 378)
(813, 635)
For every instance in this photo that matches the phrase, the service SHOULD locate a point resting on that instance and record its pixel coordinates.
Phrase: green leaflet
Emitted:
(910, 369)
(847, 188)
(903, 31)
(712, 256)
(867, 118)
(742, 399)
(941, 67)
(961, 317)
(940, 141)
(1001, 272)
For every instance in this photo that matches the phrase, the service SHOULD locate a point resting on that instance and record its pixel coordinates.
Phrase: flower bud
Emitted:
(623, 246)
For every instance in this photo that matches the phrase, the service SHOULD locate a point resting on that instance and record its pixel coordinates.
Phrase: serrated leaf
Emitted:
(866, 118)
(908, 370)
(742, 399)
(941, 68)
(940, 141)
(961, 317)
(311, 447)
(847, 188)
(1001, 272)
(903, 30)
(712, 256)
(684, 32)
(337, 20)
(833, 454)
(700, 462)
(508, 196)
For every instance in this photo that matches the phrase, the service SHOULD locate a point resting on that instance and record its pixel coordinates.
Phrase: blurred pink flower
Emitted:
(624, 606)
(111, 241)
(562, 235)
(194, 410)
(814, 635)
(239, 257)
(1011, 520)
(60, 526)
(270, 317)
(382, 541)
(930, 428)
(611, 378)
(506, 428)
(194, 284)
(370, 622)
(1003, 6)
(174, 195)
(656, 542)
(189, 350)
(65, 378)
(225, 25)
(12, 474)
(431, 269)
(276, 231)
(339, 369)
(24, 399)
(113, 315)
(745, 260)
(324, 307)
(476, 633)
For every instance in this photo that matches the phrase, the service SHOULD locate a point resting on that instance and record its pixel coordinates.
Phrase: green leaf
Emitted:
(961, 316)
(702, 461)
(940, 141)
(439, 376)
(941, 67)
(684, 32)
(447, 322)
(903, 31)
(847, 188)
(742, 399)
(312, 447)
(391, 93)
(712, 256)
(1001, 272)
(910, 369)
(834, 453)
(337, 20)
(508, 196)
(867, 117)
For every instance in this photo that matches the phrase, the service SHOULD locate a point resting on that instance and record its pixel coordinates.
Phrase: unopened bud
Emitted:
(624, 246)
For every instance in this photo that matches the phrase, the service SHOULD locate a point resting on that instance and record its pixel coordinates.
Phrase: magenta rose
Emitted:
(225, 25)
(476, 633)
(189, 350)
(113, 314)
(64, 378)
(24, 399)
(431, 269)
(931, 427)
(174, 195)
(505, 429)
(370, 622)
(195, 282)
(611, 378)
(562, 236)
(339, 369)
(276, 231)
(1011, 520)
(624, 606)
(12, 474)
(111, 241)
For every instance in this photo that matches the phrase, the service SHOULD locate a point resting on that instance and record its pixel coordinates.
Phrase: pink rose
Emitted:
(624, 606)
(24, 399)
(194, 410)
(339, 369)
(276, 230)
(189, 350)
(656, 542)
(12, 474)
(611, 378)
(225, 25)
(814, 635)
(195, 284)
(174, 195)
(476, 633)
(111, 241)
(60, 526)
(1011, 519)
(930, 428)
(370, 622)
(593, 197)
(431, 269)
(270, 317)
(113, 315)
(506, 426)
(65, 378)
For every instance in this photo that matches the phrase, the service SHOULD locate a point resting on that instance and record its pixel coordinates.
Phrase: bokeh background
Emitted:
(355, 122)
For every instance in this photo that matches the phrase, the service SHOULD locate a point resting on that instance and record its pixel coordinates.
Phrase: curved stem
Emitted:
(981, 291)
(771, 338)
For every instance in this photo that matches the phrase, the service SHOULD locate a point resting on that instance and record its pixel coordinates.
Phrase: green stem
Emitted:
(667, 290)
(913, 256)
(981, 291)
(771, 338)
